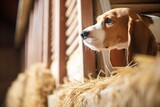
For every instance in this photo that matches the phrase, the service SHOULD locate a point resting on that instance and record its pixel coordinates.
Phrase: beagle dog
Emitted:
(124, 33)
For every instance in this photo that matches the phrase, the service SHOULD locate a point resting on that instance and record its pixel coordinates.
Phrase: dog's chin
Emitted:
(98, 49)
(94, 48)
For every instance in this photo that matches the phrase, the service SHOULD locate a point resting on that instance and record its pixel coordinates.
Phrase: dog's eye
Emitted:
(108, 21)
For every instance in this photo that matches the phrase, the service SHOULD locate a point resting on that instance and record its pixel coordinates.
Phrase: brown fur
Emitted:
(140, 38)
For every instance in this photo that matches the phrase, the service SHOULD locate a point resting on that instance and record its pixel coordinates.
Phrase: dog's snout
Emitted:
(84, 34)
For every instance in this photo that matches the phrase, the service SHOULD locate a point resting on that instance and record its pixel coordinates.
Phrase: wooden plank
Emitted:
(72, 47)
(72, 37)
(52, 44)
(35, 34)
(86, 19)
(72, 16)
(24, 9)
(62, 39)
(134, 1)
(52, 58)
(26, 51)
(39, 35)
(139, 7)
(30, 41)
(52, 20)
(72, 27)
(70, 8)
(46, 49)
(27, 47)
(55, 66)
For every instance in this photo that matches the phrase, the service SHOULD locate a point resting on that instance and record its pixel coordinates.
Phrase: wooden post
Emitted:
(59, 64)
(86, 19)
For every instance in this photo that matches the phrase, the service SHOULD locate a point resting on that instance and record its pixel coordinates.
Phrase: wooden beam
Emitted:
(46, 56)
(24, 9)
(62, 45)
(86, 19)
(59, 64)
(140, 7)
(134, 1)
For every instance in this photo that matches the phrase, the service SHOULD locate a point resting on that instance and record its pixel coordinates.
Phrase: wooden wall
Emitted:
(72, 42)
(58, 38)
(69, 56)
(81, 60)
(37, 39)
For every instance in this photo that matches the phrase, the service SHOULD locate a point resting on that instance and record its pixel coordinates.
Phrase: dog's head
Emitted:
(110, 31)
(122, 29)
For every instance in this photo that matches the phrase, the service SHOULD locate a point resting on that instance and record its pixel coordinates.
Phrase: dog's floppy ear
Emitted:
(123, 57)
(140, 39)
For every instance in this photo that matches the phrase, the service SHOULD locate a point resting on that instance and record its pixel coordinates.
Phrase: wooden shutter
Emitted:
(81, 60)
(69, 17)
(74, 62)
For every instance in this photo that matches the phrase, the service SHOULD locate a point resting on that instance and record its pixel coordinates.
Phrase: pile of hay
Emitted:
(31, 88)
(130, 87)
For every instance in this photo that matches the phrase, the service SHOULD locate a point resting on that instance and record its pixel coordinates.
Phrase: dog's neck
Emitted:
(120, 46)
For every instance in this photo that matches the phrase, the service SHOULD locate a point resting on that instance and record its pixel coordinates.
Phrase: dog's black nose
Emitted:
(84, 34)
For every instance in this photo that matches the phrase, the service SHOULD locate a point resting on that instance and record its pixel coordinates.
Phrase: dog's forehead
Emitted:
(115, 13)
(107, 14)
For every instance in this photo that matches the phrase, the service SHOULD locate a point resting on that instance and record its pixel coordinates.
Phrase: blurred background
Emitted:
(9, 55)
